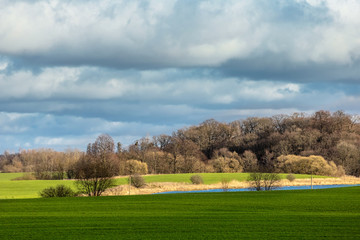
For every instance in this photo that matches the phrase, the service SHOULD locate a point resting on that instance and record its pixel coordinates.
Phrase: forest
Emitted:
(323, 143)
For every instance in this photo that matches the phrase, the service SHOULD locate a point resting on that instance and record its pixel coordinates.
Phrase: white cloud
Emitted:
(61, 132)
(132, 68)
(70, 83)
(200, 33)
(3, 65)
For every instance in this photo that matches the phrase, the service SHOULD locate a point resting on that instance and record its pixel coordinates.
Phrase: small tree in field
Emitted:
(263, 181)
(137, 181)
(95, 170)
(290, 177)
(270, 181)
(225, 184)
(255, 180)
(196, 179)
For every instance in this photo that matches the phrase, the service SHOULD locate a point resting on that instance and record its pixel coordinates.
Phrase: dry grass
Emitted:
(321, 181)
(158, 187)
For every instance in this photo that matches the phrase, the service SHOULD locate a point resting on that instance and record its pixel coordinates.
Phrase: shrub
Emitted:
(58, 191)
(225, 184)
(137, 181)
(135, 167)
(48, 192)
(306, 165)
(64, 191)
(270, 181)
(263, 181)
(255, 181)
(290, 177)
(70, 173)
(196, 179)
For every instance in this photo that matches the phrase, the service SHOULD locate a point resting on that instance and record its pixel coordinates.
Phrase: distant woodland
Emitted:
(324, 143)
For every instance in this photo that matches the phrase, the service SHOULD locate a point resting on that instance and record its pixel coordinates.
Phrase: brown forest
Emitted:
(282, 143)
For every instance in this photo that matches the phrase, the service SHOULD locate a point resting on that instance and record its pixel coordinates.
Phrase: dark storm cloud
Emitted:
(279, 68)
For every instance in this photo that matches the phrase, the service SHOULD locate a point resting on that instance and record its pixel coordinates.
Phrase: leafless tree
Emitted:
(263, 181)
(95, 170)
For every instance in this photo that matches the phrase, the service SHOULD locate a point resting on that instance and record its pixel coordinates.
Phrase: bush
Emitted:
(58, 191)
(137, 181)
(306, 165)
(263, 181)
(290, 177)
(255, 181)
(270, 181)
(196, 179)
(135, 167)
(225, 184)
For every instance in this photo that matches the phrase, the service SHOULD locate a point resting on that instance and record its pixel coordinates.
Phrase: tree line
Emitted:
(321, 143)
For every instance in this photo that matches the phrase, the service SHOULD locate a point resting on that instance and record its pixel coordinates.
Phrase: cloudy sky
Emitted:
(71, 70)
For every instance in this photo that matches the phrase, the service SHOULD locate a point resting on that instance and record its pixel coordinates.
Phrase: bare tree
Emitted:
(255, 180)
(95, 170)
(263, 181)
(270, 181)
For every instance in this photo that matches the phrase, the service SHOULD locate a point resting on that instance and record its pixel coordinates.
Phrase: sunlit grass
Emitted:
(210, 178)
(31, 188)
(302, 214)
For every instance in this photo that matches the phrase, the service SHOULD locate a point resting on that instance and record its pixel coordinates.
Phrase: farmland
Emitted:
(329, 213)
(210, 178)
(30, 188)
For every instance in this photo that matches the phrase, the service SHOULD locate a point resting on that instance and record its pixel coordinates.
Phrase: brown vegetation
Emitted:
(95, 170)
(330, 140)
(158, 187)
(316, 165)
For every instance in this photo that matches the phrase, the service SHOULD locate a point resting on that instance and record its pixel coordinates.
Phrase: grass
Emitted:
(210, 178)
(9, 176)
(316, 214)
(31, 188)
(25, 188)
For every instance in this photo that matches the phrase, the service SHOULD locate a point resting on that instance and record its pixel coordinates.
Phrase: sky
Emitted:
(72, 70)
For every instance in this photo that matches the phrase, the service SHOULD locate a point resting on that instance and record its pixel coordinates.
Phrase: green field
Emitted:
(25, 188)
(210, 178)
(302, 214)
(31, 188)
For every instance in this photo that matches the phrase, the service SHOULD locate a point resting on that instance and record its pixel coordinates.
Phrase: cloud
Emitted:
(70, 70)
(153, 34)
(150, 95)
(60, 132)
(144, 95)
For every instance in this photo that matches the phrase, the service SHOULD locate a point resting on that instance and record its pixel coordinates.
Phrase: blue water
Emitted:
(279, 188)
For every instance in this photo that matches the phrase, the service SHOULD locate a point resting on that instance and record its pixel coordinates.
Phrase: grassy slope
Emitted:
(31, 188)
(316, 214)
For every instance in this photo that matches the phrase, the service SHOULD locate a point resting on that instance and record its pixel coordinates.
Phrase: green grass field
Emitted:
(30, 188)
(302, 214)
(210, 178)
(25, 188)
